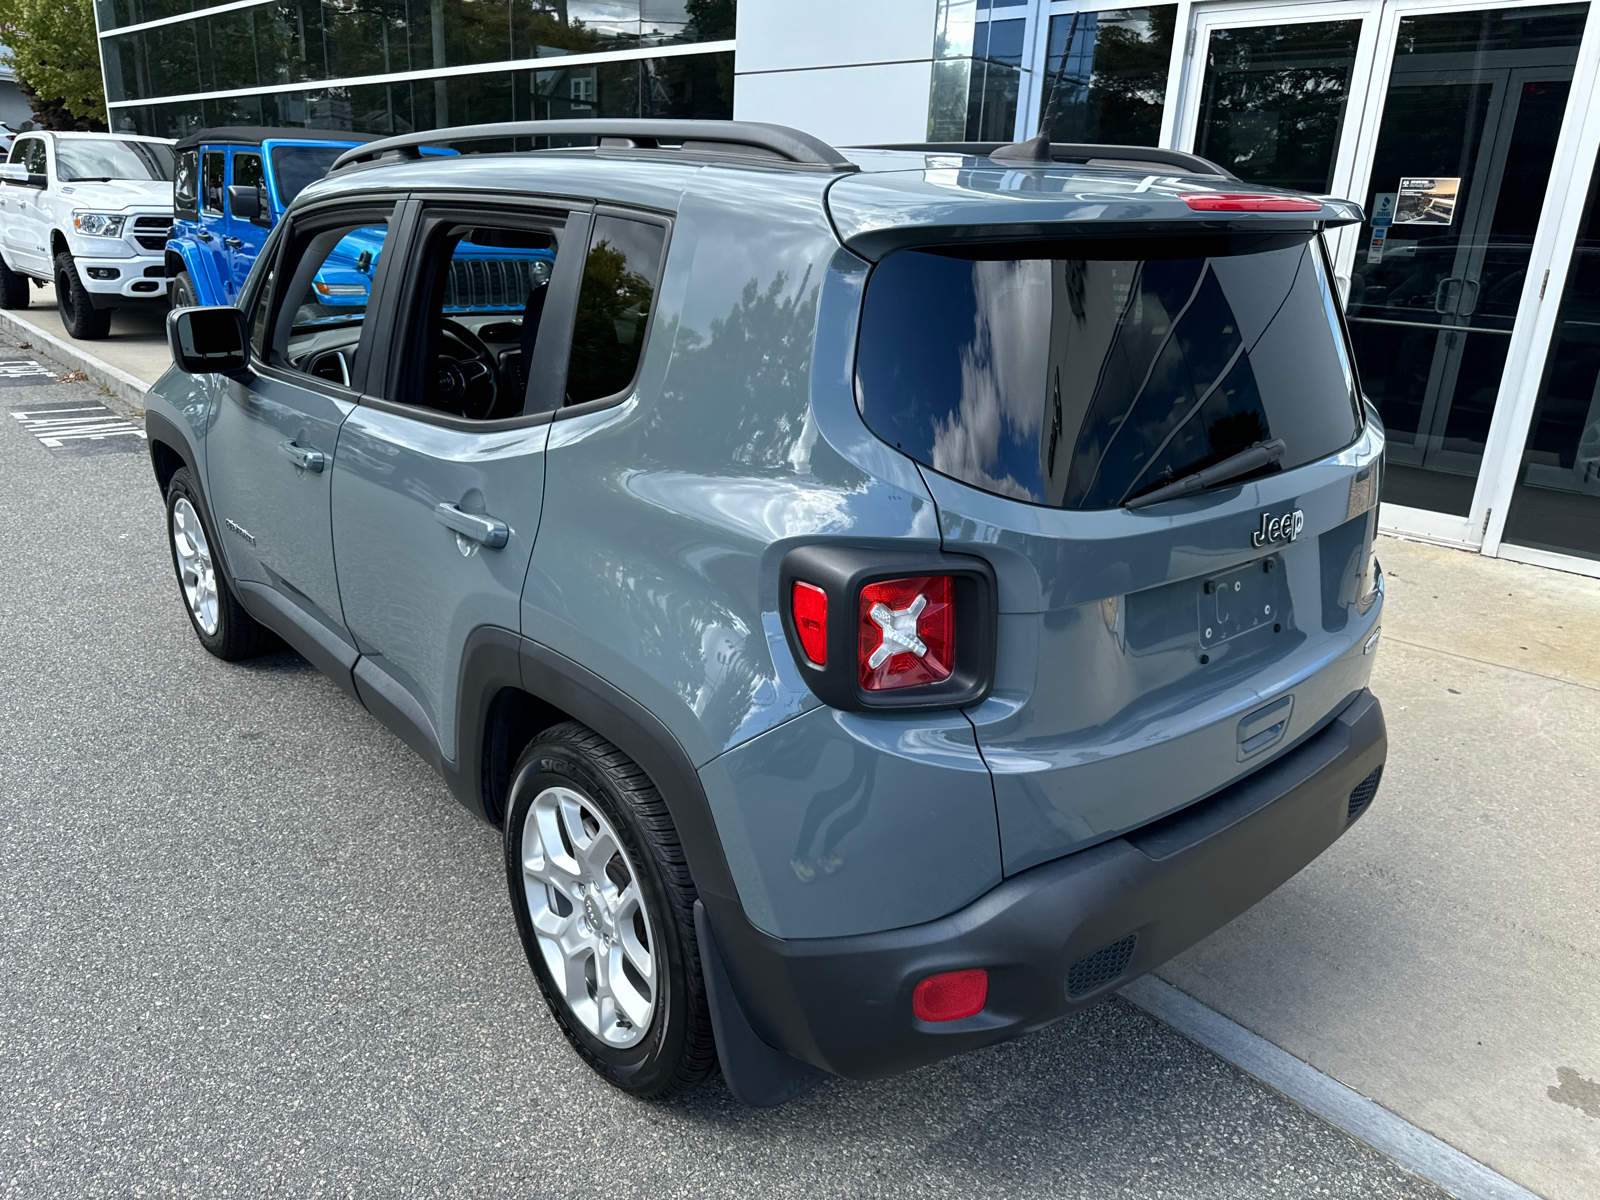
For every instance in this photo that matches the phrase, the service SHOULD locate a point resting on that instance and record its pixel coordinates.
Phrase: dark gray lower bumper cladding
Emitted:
(1054, 938)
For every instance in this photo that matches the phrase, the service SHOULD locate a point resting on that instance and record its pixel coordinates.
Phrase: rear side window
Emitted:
(1082, 382)
(212, 182)
(186, 184)
(614, 302)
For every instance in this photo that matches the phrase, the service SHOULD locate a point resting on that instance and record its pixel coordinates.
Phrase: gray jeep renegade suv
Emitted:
(889, 598)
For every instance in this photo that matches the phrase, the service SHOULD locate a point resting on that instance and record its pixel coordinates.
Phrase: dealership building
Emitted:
(1468, 131)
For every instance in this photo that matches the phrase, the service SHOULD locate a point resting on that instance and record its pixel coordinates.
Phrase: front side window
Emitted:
(30, 153)
(614, 302)
(327, 276)
(81, 160)
(212, 180)
(1084, 380)
(247, 171)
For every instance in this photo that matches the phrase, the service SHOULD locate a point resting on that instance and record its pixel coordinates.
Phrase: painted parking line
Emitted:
(76, 428)
(24, 372)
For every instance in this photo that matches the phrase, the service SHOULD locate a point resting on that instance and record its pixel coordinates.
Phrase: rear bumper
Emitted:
(1059, 936)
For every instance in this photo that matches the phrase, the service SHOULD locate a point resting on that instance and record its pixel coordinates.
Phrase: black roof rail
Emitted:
(752, 143)
(1077, 152)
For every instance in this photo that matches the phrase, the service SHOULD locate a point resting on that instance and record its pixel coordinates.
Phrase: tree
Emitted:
(56, 57)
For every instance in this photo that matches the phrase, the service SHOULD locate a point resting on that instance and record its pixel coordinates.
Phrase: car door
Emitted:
(214, 216)
(438, 482)
(271, 448)
(24, 215)
(242, 235)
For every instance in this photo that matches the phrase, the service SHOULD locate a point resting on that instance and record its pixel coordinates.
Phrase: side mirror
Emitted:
(244, 201)
(13, 173)
(206, 340)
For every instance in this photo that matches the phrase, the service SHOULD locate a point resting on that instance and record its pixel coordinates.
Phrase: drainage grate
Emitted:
(1100, 968)
(1363, 794)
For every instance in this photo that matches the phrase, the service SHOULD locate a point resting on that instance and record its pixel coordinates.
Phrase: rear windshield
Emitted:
(1083, 382)
(293, 167)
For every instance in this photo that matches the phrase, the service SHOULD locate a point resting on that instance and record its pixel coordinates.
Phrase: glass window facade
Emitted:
(692, 85)
(1106, 75)
(288, 44)
(1275, 99)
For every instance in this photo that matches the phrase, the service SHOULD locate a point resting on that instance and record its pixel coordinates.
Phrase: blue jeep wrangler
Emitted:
(229, 189)
(888, 598)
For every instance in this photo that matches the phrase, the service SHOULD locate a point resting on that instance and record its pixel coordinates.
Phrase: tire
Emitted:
(83, 320)
(13, 287)
(219, 620)
(573, 785)
(182, 291)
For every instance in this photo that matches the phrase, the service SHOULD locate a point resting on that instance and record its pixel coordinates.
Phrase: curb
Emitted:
(130, 389)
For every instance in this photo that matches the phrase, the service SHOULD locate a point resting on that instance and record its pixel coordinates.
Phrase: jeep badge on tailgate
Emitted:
(1284, 528)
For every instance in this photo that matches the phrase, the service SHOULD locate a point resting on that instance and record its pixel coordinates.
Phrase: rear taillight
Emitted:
(951, 995)
(1249, 202)
(907, 632)
(876, 628)
(810, 605)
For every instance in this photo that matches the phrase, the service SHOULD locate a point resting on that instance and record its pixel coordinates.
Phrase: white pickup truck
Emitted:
(88, 212)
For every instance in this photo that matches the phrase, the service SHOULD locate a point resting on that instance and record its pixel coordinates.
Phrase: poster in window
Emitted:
(1426, 200)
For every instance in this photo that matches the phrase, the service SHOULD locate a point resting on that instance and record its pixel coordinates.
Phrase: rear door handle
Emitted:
(485, 530)
(303, 456)
(232, 242)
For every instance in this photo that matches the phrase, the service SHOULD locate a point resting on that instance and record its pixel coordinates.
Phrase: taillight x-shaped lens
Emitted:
(907, 632)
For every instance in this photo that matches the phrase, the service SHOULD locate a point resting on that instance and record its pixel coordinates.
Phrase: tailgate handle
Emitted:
(1264, 726)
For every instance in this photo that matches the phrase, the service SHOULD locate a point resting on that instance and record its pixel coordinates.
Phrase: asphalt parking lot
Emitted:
(250, 945)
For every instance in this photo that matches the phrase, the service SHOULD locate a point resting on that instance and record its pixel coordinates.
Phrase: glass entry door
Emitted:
(1457, 179)
(1442, 121)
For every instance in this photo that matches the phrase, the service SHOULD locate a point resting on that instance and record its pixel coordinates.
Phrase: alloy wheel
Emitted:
(589, 916)
(195, 570)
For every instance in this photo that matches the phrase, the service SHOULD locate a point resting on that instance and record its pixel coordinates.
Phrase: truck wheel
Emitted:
(605, 906)
(183, 293)
(13, 287)
(219, 620)
(82, 319)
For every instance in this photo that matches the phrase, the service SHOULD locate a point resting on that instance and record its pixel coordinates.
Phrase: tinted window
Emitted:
(1080, 382)
(30, 153)
(211, 180)
(186, 183)
(111, 158)
(327, 283)
(247, 171)
(619, 283)
(295, 166)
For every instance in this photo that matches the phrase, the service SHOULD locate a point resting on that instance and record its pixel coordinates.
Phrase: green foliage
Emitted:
(57, 60)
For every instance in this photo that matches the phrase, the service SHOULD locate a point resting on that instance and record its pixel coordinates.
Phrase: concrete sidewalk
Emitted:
(1444, 957)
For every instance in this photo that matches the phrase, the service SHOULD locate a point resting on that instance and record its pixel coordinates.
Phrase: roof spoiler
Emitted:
(1036, 152)
(748, 143)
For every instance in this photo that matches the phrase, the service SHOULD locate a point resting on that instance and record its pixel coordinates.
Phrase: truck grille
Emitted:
(151, 232)
(492, 283)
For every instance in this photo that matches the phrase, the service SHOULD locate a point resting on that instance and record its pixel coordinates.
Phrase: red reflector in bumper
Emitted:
(951, 995)
(1249, 202)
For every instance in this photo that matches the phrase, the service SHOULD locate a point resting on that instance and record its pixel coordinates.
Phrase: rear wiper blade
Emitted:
(1252, 459)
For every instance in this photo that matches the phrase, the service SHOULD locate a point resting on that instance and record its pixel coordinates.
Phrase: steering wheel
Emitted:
(468, 386)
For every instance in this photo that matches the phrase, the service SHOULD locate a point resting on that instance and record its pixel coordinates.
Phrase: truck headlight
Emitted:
(99, 224)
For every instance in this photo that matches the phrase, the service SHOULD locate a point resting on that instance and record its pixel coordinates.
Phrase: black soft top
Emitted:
(254, 135)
